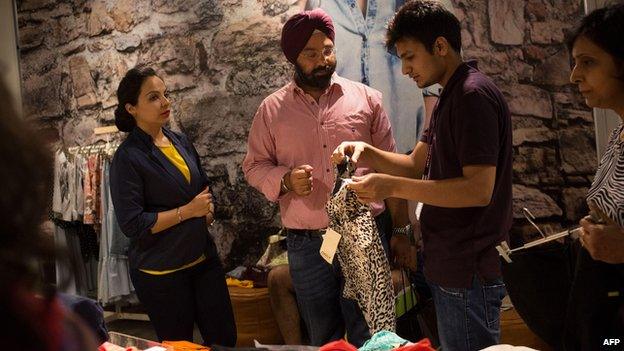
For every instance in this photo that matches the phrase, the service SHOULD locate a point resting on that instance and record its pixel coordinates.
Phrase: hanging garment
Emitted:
(364, 263)
(80, 167)
(114, 274)
(92, 190)
(64, 180)
(72, 268)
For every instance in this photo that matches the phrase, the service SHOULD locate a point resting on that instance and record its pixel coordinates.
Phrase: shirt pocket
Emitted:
(354, 126)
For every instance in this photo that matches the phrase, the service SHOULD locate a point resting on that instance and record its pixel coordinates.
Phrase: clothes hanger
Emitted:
(505, 252)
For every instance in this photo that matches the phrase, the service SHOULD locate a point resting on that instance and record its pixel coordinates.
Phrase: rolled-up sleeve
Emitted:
(381, 131)
(260, 165)
(128, 197)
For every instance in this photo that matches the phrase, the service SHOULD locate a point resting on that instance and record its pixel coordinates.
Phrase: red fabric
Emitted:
(422, 345)
(299, 28)
(339, 345)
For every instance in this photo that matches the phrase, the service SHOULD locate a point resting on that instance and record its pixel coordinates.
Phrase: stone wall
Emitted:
(521, 45)
(220, 58)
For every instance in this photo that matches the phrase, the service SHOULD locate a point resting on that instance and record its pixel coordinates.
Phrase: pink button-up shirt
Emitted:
(291, 129)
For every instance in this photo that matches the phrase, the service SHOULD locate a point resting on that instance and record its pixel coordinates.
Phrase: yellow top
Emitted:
(174, 156)
(197, 261)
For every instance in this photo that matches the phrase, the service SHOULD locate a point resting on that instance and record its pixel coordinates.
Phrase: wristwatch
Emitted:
(407, 231)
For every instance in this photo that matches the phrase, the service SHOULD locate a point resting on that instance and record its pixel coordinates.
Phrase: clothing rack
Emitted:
(88, 149)
(109, 148)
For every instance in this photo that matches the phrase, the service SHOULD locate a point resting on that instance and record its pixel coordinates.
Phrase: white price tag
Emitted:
(330, 245)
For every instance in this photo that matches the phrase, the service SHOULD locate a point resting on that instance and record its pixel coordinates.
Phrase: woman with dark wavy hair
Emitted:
(596, 306)
(163, 204)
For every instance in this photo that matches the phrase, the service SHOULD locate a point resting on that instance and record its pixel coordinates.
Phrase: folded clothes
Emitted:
(241, 283)
(185, 346)
(339, 345)
(383, 341)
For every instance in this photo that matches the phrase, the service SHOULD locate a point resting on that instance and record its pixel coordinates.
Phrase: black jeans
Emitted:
(178, 300)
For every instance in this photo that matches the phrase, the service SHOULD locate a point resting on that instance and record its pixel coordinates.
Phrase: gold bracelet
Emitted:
(179, 215)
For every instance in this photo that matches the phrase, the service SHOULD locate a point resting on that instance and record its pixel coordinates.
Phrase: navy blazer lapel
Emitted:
(190, 161)
(159, 156)
(173, 171)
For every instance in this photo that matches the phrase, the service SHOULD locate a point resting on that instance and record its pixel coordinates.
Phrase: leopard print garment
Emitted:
(364, 263)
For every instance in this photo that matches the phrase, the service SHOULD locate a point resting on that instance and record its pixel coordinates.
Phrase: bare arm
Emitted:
(473, 189)
(410, 166)
(201, 205)
(398, 212)
(430, 102)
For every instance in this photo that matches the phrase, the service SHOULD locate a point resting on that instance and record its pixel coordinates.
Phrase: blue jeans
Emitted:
(469, 319)
(318, 287)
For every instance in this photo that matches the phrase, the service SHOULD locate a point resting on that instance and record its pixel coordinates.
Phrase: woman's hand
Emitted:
(604, 242)
(200, 206)
(210, 215)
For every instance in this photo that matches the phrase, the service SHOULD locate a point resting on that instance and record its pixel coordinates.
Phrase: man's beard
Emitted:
(319, 78)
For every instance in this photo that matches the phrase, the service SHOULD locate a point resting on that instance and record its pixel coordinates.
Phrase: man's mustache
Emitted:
(324, 69)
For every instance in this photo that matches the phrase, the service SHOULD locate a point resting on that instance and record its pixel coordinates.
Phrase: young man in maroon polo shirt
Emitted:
(461, 170)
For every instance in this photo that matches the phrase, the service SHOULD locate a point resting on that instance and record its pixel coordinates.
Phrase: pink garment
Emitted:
(92, 190)
(290, 129)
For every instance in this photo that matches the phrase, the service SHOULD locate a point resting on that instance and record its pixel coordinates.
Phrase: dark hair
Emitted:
(604, 27)
(26, 177)
(128, 92)
(425, 21)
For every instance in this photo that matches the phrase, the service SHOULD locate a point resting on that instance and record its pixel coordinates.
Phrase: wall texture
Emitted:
(220, 58)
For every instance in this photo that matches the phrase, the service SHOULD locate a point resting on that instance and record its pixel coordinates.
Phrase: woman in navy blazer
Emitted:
(163, 204)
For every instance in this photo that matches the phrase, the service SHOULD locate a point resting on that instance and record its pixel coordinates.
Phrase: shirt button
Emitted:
(322, 123)
(328, 170)
(324, 146)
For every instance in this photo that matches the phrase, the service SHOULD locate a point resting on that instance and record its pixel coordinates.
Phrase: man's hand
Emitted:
(299, 180)
(354, 149)
(402, 253)
(372, 187)
(604, 242)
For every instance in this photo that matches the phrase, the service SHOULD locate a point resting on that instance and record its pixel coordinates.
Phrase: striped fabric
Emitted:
(607, 190)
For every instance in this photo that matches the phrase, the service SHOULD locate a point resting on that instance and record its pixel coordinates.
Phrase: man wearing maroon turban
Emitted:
(288, 159)
(314, 26)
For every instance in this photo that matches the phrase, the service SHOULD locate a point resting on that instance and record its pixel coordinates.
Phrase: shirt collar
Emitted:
(147, 139)
(460, 73)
